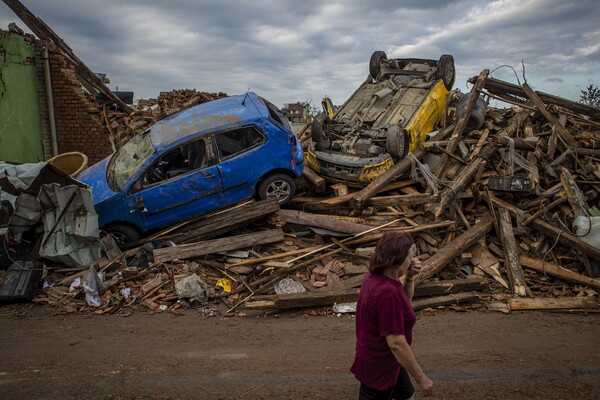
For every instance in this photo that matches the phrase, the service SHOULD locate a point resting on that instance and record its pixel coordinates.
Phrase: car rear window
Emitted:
(277, 116)
(232, 143)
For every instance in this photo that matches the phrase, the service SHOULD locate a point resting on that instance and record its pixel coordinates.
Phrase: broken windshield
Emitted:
(128, 159)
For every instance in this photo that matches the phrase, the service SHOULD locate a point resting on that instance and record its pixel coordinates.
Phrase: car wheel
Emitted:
(278, 186)
(123, 233)
(446, 71)
(397, 141)
(318, 131)
(375, 63)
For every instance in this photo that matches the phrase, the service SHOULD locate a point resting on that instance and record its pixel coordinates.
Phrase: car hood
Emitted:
(95, 176)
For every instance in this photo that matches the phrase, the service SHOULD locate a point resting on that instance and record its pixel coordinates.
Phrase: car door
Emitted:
(241, 161)
(182, 183)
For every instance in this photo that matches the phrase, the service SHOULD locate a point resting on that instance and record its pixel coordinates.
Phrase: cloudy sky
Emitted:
(290, 51)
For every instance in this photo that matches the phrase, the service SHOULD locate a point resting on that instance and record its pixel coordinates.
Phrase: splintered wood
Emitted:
(515, 217)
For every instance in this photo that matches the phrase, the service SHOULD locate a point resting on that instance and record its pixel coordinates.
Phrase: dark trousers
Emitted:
(402, 390)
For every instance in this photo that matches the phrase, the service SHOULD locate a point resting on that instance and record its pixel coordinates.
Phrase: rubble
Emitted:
(493, 223)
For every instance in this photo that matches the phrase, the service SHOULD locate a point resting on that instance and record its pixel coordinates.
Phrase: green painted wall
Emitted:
(20, 127)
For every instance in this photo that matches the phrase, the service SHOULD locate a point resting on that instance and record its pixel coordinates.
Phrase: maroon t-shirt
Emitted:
(382, 309)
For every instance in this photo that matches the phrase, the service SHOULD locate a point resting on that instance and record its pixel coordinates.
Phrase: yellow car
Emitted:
(385, 119)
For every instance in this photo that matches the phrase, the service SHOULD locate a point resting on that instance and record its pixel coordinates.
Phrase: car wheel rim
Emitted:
(279, 190)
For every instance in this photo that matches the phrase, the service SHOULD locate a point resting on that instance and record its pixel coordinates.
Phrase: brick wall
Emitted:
(79, 123)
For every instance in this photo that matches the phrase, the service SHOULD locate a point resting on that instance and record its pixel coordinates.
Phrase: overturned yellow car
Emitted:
(385, 119)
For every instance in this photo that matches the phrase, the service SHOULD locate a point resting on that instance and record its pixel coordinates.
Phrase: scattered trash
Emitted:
(288, 286)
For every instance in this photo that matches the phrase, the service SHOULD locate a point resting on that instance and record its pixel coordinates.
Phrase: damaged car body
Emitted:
(384, 120)
(206, 157)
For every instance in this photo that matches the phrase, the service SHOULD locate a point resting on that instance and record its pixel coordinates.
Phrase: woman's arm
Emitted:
(409, 283)
(409, 288)
(406, 358)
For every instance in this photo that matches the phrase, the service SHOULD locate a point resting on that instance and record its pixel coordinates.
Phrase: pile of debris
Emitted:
(122, 126)
(506, 213)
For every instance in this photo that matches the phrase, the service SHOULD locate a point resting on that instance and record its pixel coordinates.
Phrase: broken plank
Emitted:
(432, 288)
(459, 129)
(446, 254)
(217, 245)
(407, 199)
(328, 204)
(320, 221)
(516, 277)
(552, 303)
(552, 269)
(458, 184)
(315, 298)
(227, 220)
(318, 183)
(458, 298)
(563, 133)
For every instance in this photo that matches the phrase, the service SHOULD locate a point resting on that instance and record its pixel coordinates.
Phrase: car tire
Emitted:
(375, 63)
(279, 186)
(446, 71)
(123, 233)
(317, 131)
(397, 141)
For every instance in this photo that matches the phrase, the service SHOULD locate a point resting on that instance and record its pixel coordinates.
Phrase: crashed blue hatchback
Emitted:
(203, 158)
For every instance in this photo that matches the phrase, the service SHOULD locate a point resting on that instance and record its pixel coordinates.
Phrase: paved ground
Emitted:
(472, 355)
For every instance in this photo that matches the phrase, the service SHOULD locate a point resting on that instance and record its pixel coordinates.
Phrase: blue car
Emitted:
(203, 158)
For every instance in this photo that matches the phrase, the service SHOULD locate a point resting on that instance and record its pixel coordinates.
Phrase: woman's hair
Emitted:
(391, 250)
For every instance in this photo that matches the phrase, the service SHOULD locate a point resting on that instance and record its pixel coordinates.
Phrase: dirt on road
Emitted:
(469, 355)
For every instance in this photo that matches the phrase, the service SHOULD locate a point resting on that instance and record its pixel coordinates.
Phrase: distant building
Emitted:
(295, 112)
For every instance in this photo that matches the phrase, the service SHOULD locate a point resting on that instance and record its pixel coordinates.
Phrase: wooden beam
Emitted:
(459, 129)
(552, 303)
(445, 255)
(344, 294)
(328, 204)
(222, 222)
(405, 199)
(311, 176)
(216, 245)
(458, 298)
(320, 221)
(516, 277)
(498, 87)
(563, 133)
(458, 184)
(552, 269)
(433, 288)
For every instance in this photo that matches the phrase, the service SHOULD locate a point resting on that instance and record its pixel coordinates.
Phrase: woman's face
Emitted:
(406, 263)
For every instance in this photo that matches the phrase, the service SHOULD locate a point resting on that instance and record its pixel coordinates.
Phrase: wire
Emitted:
(508, 66)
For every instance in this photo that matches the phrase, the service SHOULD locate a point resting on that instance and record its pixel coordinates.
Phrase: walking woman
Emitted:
(384, 322)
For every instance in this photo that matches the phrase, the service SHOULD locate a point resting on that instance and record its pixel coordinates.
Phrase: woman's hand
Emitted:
(426, 386)
(413, 269)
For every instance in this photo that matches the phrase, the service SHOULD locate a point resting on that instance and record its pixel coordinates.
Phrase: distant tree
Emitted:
(591, 96)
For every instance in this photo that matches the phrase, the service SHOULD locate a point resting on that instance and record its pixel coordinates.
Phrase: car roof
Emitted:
(208, 117)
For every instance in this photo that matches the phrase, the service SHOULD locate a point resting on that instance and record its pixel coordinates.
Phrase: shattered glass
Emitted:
(126, 162)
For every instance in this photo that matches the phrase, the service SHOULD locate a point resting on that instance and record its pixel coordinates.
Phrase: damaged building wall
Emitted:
(79, 122)
(21, 128)
(25, 132)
